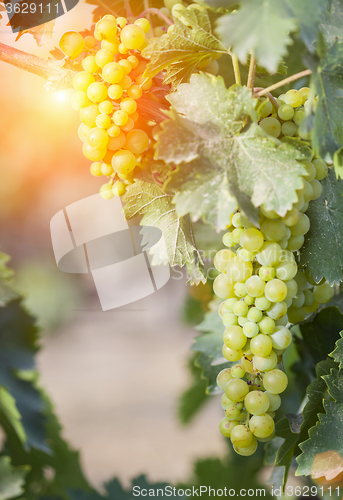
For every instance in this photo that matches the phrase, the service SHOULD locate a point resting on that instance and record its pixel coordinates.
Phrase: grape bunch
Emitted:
(106, 94)
(264, 292)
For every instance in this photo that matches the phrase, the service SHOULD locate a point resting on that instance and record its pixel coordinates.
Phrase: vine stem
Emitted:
(292, 78)
(236, 68)
(251, 75)
(60, 77)
(270, 97)
(156, 12)
(127, 5)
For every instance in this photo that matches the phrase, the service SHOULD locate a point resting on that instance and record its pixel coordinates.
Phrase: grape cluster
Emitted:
(264, 292)
(106, 96)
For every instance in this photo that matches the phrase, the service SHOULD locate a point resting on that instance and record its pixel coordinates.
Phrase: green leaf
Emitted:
(209, 345)
(326, 216)
(194, 398)
(7, 290)
(321, 332)
(118, 7)
(337, 353)
(264, 26)
(12, 479)
(221, 166)
(190, 43)
(322, 453)
(10, 413)
(331, 25)
(157, 210)
(327, 82)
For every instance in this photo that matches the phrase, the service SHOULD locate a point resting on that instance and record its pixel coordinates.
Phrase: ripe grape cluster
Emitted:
(264, 292)
(106, 96)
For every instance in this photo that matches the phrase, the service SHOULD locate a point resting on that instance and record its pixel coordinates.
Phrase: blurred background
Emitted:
(115, 377)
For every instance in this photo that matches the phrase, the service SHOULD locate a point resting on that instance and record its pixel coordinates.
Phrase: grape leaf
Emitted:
(11, 479)
(306, 420)
(321, 332)
(337, 353)
(190, 42)
(234, 164)
(194, 398)
(119, 8)
(327, 82)
(324, 236)
(7, 290)
(9, 414)
(322, 453)
(210, 346)
(157, 210)
(270, 36)
(331, 25)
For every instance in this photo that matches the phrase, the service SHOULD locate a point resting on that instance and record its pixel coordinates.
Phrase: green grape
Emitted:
(286, 270)
(299, 300)
(228, 241)
(267, 108)
(242, 320)
(236, 234)
(236, 390)
(245, 255)
(241, 436)
(296, 315)
(226, 426)
(254, 286)
(275, 401)
(246, 222)
(254, 315)
(247, 364)
(266, 273)
(306, 191)
(249, 300)
(309, 298)
(97, 138)
(229, 319)
(269, 255)
(295, 243)
(229, 303)
(222, 309)
(292, 289)
(231, 354)
(305, 93)
(267, 325)
(249, 450)
(225, 401)
(299, 117)
(236, 220)
(285, 112)
(223, 287)
(251, 239)
(240, 308)
(302, 226)
(238, 270)
(132, 36)
(271, 126)
(281, 338)
(273, 230)
(262, 303)
(234, 337)
(293, 98)
(323, 293)
(321, 169)
(71, 43)
(310, 170)
(275, 381)
(222, 259)
(270, 214)
(261, 345)
(291, 217)
(240, 290)
(289, 129)
(300, 203)
(317, 189)
(238, 371)
(301, 281)
(256, 402)
(275, 290)
(250, 329)
(261, 426)
(232, 412)
(265, 363)
(277, 310)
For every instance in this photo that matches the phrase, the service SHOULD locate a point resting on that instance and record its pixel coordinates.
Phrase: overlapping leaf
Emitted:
(331, 25)
(221, 165)
(190, 42)
(11, 479)
(324, 236)
(264, 26)
(150, 201)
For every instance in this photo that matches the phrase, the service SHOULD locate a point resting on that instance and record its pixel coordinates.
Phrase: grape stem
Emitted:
(156, 12)
(251, 75)
(57, 76)
(269, 95)
(290, 79)
(129, 12)
(236, 70)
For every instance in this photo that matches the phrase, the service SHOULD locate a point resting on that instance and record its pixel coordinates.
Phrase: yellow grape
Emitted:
(112, 73)
(137, 141)
(117, 142)
(132, 36)
(123, 161)
(93, 154)
(83, 80)
(71, 43)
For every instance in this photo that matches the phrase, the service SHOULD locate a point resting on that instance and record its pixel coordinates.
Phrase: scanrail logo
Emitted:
(93, 236)
(28, 14)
